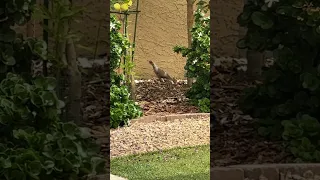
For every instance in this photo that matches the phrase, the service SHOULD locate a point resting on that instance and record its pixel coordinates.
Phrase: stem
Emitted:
(135, 31)
(97, 37)
(45, 38)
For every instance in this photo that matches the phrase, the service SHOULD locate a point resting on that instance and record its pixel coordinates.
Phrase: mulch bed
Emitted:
(234, 139)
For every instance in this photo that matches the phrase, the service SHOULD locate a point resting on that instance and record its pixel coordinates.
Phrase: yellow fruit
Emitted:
(130, 3)
(124, 7)
(116, 6)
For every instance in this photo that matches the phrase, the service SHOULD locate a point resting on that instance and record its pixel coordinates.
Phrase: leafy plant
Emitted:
(16, 51)
(291, 86)
(24, 104)
(122, 108)
(198, 58)
(34, 143)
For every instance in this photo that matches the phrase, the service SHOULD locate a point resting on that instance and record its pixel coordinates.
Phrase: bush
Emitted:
(16, 52)
(287, 103)
(122, 108)
(34, 143)
(198, 59)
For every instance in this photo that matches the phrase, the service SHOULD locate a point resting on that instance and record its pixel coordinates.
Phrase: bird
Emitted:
(161, 73)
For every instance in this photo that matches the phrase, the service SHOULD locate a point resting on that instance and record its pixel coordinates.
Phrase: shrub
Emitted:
(35, 144)
(17, 52)
(122, 108)
(287, 102)
(198, 59)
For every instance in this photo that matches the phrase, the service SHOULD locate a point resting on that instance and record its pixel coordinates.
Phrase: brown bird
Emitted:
(161, 73)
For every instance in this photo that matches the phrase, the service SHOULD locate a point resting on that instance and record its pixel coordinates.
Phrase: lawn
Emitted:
(191, 163)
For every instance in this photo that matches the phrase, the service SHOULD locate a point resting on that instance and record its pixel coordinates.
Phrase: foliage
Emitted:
(198, 58)
(16, 51)
(25, 104)
(34, 143)
(122, 108)
(62, 12)
(287, 102)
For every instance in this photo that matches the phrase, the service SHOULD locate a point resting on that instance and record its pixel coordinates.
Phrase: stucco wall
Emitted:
(161, 25)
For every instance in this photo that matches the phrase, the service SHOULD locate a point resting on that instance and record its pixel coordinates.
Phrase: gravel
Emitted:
(157, 136)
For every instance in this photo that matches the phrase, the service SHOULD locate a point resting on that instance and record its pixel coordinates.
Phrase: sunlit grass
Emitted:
(192, 163)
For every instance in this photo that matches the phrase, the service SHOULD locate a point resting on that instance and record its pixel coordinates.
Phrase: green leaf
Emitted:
(49, 166)
(241, 44)
(97, 165)
(48, 98)
(36, 99)
(262, 20)
(84, 132)
(5, 163)
(51, 83)
(34, 168)
(67, 144)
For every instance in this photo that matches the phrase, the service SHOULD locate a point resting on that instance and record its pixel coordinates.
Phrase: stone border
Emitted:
(171, 117)
(267, 172)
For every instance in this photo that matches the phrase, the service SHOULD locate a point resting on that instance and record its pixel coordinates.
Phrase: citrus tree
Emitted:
(122, 108)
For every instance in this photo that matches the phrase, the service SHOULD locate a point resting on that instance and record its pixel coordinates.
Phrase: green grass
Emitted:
(192, 163)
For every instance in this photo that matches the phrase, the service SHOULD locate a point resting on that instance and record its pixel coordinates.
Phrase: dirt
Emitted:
(234, 139)
(162, 98)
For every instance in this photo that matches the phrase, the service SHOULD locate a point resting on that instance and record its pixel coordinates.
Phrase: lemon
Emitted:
(116, 6)
(130, 3)
(124, 7)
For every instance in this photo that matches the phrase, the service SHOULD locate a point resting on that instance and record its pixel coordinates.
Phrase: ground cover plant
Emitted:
(35, 143)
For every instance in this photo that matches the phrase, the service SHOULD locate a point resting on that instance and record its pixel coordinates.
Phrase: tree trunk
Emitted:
(61, 66)
(30, 28)
(132, 87)
(74, 93)
(255, 62)
(189, 27)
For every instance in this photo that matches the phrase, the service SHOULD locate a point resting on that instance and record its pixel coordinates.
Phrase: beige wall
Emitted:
(161, 26)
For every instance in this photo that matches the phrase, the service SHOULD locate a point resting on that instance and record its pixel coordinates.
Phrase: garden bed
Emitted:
(163, 98)
(235, 139)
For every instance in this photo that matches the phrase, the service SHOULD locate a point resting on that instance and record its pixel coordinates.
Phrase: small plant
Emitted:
(198, 59)
(122, 107)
